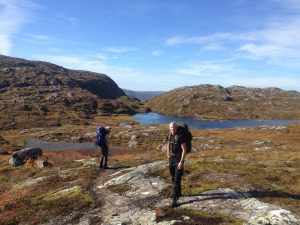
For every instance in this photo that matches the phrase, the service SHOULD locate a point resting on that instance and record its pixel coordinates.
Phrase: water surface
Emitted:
(155, 118)
(66, 145)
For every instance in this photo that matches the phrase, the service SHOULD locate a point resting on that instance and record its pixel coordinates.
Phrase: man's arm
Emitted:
(107, 140)
(181, 163)
(168, 150)
(168, 147)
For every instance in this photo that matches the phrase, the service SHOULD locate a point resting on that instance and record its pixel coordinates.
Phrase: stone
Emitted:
(43, 163)
(132, 144)
(20, 156)
(31, 182)
(228, 98)
(77, 139)
(91, 135)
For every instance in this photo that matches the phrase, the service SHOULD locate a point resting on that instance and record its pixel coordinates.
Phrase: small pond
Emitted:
(65, 145)
(155, 118)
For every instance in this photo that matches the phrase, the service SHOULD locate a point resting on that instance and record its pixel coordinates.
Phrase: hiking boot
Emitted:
(101, 167)
(105, 167)
(175, 197)
(174, 203)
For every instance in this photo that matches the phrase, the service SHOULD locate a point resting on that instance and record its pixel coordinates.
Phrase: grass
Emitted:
(271, 175)
(39, 203)
(19, 204)
(234, 158)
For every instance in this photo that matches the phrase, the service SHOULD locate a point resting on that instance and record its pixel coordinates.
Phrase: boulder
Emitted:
(228, 98)
(20, 156)
(132, 144)
(42, 164)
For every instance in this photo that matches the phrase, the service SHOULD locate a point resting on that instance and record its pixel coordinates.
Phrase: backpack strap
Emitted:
(169, 144)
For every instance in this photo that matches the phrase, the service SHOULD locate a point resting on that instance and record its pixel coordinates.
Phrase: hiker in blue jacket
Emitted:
(103, 144)
(176, 152)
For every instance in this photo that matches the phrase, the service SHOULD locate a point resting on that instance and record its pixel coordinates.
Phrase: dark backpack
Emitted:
(187, 135)
(101, 132)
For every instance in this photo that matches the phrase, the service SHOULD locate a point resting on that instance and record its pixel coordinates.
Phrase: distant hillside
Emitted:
(142, 95)
(235, 102)
(37, 93)
(22, 73)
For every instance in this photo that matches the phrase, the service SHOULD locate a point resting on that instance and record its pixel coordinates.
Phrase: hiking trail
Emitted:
(136, 204)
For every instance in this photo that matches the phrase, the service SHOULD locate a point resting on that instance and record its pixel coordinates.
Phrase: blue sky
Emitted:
(159, 45)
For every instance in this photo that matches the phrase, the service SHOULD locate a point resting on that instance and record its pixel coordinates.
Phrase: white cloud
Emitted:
(120, 50)
(73, 22)
(203, 72)
(255, 52)
(39, 37)
(213, 47)
(290, 4)
(125, 77)
(263, 82)
(156, 53)
(95, 64)
(13, 15)
(176, 40)
(209, 69)
(5, 44)
(101, 56)
(278, 43)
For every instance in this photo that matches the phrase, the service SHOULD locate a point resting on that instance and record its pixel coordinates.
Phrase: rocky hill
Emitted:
(235, 102)
(142, 95)
(34, 93)
(20, 73)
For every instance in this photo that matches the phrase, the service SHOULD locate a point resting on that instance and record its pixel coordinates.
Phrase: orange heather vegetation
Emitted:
(264, 161)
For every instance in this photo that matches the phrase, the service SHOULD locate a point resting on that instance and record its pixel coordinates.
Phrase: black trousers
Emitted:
(176, 175)
(104, 155)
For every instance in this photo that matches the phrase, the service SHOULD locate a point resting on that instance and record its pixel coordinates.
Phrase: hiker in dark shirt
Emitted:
(104, 149)
(176, 152)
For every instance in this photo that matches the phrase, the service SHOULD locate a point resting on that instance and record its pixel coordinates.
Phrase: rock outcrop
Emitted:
(20, 73)
(33, 90)
(235, 102)
(19, 157)
(133, 196)
(142, 193)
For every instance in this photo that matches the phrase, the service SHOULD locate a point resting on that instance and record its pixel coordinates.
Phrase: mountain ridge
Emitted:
(35, 93)
(23, 73)
(235, 102)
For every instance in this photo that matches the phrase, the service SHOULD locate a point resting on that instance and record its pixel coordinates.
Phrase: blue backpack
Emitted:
(101, 132)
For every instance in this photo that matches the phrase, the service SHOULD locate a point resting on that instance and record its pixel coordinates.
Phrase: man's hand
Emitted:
(180, 165)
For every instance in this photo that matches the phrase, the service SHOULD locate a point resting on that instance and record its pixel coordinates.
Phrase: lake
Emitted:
(66, 145)
(155, 118)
